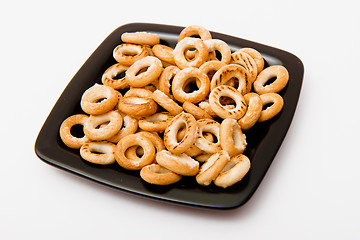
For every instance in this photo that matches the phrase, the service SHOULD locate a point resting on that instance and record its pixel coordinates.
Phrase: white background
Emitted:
(311, 190)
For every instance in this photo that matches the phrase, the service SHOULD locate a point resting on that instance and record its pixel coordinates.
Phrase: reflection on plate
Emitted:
(264, 139)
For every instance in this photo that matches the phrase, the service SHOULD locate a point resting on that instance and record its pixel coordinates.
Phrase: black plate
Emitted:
(264, 139)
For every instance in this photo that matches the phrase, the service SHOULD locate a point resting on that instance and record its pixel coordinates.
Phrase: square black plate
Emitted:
(264, 139)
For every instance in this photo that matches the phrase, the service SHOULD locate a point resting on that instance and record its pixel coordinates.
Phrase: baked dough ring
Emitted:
(221, 46)
(253, 112)
(98, 152)
(130, 126)
(164, 53)
(179, 163)
(223, 111)
(104, 126)
(98, 99)
(65, 131)
(153, 71)
(108, 78)
(166, 102)
(211, 126)
(234, 171)
(232, 138)
(193, 30)
(156, 174)
(181, 80)
(211, 67)
(277, 104)
(259, 60)
(186, 44)
(137, 106)
(212, 168)
(171, 132)
(127, 54)
(246, 61)
(194, 110)
(278, 71)
(156, 122)
(229, 72)
(138, 92)
(165, 79)
(134, 163)
(142, 38)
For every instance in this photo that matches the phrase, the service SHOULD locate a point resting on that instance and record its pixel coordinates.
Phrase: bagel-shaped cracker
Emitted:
(141, 38)
(179, 163)
(65, 131)
(127, 54)
(253, 111)
(276, 102)
(279, 72)
(232, 139)
(136, 78)
(98, 152)
(186, 44)
(156, 174)
(98, 99)
(137, 106)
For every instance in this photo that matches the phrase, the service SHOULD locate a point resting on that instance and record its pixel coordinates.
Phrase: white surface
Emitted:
(311, 190)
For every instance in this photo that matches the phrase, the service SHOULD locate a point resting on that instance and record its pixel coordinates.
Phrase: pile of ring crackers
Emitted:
(173, 112)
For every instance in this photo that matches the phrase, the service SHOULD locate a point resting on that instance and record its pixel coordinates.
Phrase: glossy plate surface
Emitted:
(264, 139)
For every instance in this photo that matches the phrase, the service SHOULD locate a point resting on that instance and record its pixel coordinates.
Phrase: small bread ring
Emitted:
(130, 126)
(221, 46)
(98, 152)
(231, 71)
(171, 132)
(137, 106)
(165, 79)
(211, 67)
(135, 163)
(211, 126)
(153, 71)
(253, 112)
(278, 71)
(197, 112)
(259, 60)
(141, 38)
(223, 111)
(127, 54)
(179, 163)
(156, 122)
(246, 61)
(166, 102)
(186, 44)
(232, 138)
(164, 53)
(203, 157)
(138, 92)
(183, 77)
(108, 78)
(99, 99)
(156, 174)
(212, 167)
(234, 171)
(113, 121)
(205, 105)
(193, 30)
(277, 104)
(65, 131)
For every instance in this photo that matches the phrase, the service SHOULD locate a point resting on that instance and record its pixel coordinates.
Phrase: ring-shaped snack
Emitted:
(110, 123)
(220, 46)
(211, 67)
(166, 78)
(127, 53)
(130, 126)
(210, 126)
(164, 53)
(277, 103)
(221, 110)
(253, 111)
(181, 80)
(193, 30)
(212, 167)
(232, 139)
(196, 111)
(137, 78)
(141, 38)
(98, 99)
(137, 106)
(101, 152)
(158, 175)
(179, 163)
(138, 92)
(134, 163)
(171, 132)
(246, 61)
(109, 77)
(259, 60)
(229, 72)
(65, 131)
(186, 44)
(156, 122)
(234, 171)
(166, 102)
(279, 72)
